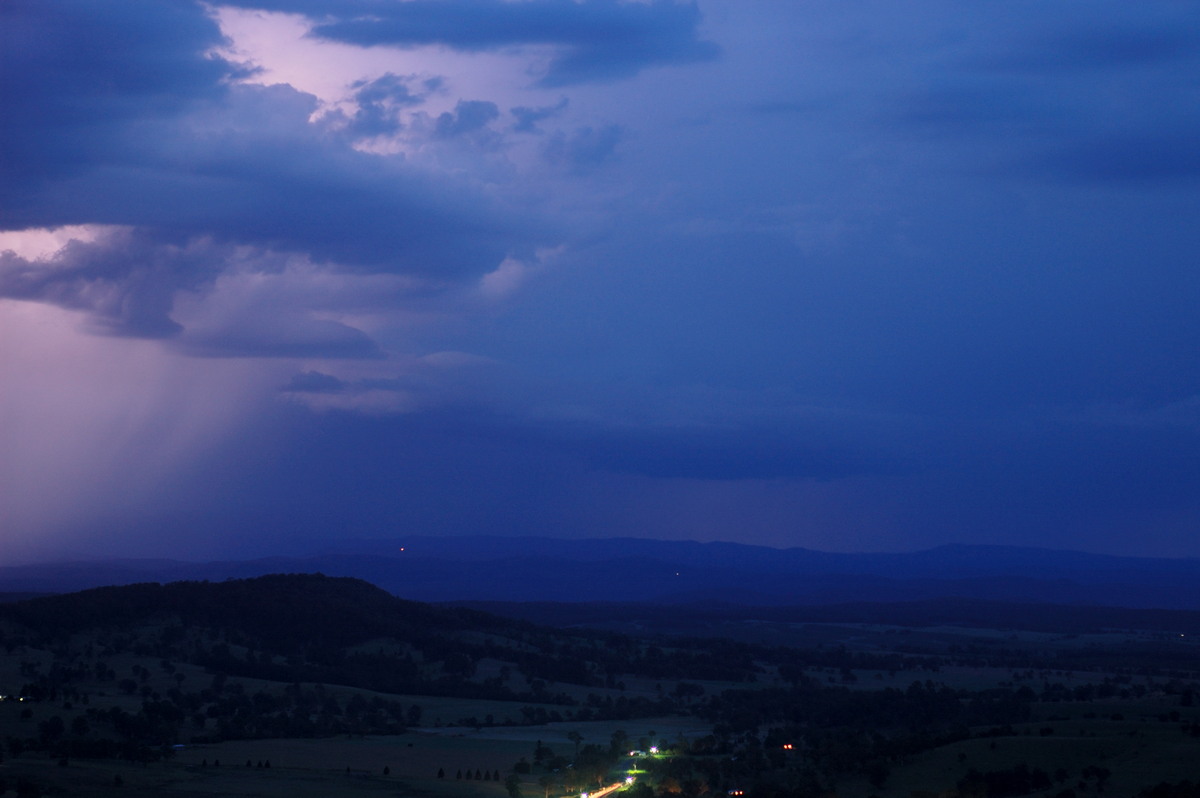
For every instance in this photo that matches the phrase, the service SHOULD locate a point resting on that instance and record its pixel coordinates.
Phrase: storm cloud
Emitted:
(870, 277)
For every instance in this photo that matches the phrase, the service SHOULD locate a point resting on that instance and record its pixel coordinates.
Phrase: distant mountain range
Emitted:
(525, 569)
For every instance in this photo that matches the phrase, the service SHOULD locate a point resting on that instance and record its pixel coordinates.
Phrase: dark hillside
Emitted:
(805, 699)
(335, 630)
(281, 609)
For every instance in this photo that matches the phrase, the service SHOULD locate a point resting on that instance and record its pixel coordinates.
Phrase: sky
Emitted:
(850, 275)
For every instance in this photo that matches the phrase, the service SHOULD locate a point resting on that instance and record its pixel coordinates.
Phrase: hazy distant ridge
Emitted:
(630, 569)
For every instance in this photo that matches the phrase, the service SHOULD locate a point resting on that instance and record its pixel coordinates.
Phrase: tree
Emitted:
(576, 738)
(512, 783)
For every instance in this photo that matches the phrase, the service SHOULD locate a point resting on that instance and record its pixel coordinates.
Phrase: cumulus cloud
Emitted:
(380, 103)
(221, 300)
(150, 132)
(253, 169)
(126, 282)
(235, 220)
(468, 117)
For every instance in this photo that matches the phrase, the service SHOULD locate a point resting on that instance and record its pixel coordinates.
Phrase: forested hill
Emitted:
(282, 610)
(337, 630)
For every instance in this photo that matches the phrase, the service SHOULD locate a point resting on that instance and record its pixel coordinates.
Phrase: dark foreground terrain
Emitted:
(298, 685)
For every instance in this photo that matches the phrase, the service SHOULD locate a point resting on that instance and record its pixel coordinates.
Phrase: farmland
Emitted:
(204, 689)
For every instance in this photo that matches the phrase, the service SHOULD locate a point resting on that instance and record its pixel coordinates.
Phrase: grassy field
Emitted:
(1139, 749)
(1072, 706)
(297, 768)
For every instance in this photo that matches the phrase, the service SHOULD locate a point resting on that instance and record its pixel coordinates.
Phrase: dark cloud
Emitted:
(314, 382)
(460, 471)
(1095, 100)
(119, 115)
(585, 148)
(978, 233)
(75, 75)
(469, 116)
(128, 282)
(260, 173)
(1092, 46)
(730, 454)
(125, 281)
(1143, 158)
(280, 335)
(380, 102)
(975, 107)
(602, 39)
(527, 118)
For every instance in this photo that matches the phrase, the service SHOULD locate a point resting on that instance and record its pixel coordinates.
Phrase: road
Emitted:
(609, 790)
